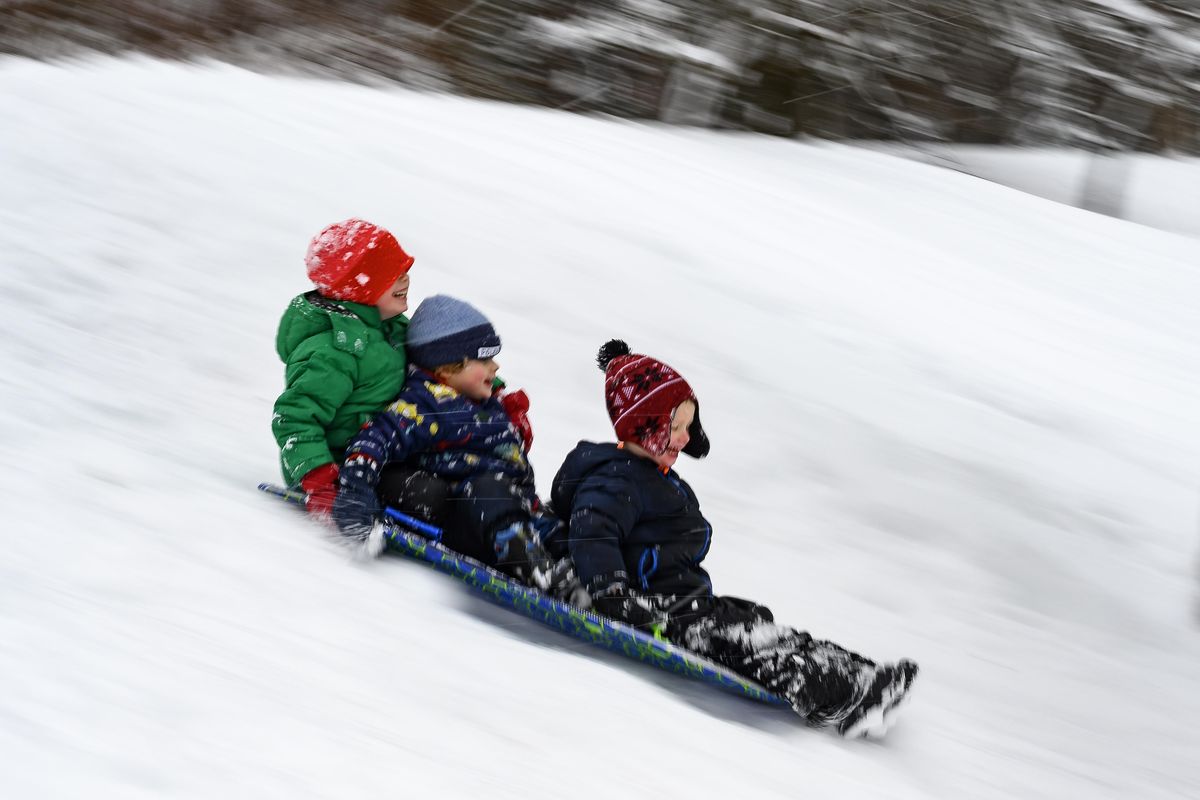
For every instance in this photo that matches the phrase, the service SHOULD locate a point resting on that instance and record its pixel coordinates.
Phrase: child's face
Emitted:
(474, 380)
(681, 420)
(394, 301)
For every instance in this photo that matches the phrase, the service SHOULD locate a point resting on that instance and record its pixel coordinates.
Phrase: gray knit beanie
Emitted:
(444, 330)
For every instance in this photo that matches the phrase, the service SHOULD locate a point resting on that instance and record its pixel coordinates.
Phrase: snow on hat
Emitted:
(641, 394)
(444, 330)
(355, 260)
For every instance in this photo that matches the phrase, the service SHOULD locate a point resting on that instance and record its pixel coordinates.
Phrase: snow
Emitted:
(627, 31)
(950, 421)
(1157, 191)
(794, 23)
(1131, 10)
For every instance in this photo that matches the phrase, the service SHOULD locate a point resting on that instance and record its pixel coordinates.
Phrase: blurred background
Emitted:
(1101, 74)
(1106, 78)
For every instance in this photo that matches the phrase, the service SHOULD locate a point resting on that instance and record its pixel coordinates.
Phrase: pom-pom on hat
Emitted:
(641, 393)
(355, 260)
(445, 330)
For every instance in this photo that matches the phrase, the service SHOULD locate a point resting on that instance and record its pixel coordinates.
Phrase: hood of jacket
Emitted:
(352, 325)
(587, 458)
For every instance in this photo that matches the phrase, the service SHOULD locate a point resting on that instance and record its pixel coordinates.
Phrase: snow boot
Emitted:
(519, 553)
(826, 684)
(873, 709)
(512, 547)
(562, 583)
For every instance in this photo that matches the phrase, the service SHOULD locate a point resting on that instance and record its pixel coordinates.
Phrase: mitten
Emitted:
(320, 486)
(516, 405)
(355, 509)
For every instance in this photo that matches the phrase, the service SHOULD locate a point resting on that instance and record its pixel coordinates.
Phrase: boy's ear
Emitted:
(442, 371)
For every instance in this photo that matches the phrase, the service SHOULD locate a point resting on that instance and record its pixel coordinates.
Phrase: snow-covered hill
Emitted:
(1140, 187)
(950, 422)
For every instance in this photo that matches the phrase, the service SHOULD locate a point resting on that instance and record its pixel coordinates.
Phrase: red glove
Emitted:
(516, 404)
(321, 484)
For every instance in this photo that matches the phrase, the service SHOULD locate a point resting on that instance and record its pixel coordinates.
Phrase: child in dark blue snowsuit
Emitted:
(637, 538)
(448, 423)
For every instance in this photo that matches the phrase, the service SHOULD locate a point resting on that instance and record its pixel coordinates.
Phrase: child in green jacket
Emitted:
(343, 347)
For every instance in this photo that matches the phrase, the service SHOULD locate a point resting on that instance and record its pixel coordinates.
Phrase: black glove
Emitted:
(646, 612)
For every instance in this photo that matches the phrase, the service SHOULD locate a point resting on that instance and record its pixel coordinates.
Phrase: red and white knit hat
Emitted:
(641, 393)
(356, 261)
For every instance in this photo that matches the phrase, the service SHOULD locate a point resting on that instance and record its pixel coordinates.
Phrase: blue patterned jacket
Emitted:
(433, 427)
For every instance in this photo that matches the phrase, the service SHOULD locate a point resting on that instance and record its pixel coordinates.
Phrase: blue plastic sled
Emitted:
(417, 539)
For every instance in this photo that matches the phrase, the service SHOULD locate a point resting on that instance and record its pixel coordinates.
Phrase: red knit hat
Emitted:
(641, 394)
(356, 261)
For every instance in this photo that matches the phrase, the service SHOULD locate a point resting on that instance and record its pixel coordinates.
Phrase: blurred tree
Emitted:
(1103, 74)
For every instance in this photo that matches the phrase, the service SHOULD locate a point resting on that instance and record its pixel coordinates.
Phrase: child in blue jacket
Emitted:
(448, 423)
(637, 538)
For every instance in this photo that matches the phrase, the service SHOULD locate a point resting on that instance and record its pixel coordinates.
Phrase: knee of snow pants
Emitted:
(477, 508)
(414, 491)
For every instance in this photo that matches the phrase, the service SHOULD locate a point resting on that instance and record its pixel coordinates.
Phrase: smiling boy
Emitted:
(343, 347)
(449, 422)
(638, 539)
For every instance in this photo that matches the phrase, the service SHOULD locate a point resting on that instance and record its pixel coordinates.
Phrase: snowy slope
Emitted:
(1140, 187)
(950, 421)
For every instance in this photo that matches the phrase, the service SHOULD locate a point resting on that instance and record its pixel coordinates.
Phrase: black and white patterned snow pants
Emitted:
(820, 679)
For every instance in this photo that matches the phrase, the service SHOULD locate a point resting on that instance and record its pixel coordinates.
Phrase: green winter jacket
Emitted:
(344, 366)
